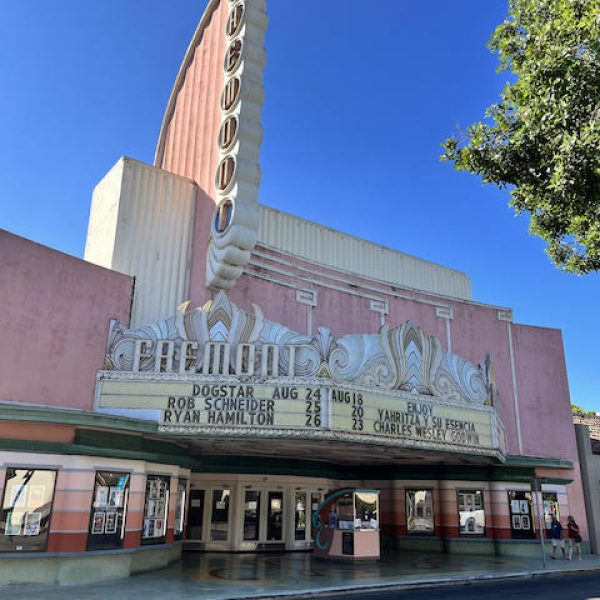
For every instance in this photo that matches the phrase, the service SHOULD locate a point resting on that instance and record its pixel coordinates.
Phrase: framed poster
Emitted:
(115, 497)
(98, 523)
(37, 496)
(31, 525)
(110, 525)
(516, 522)
(153, 485)
(158, 527)
(18, 495)
(13, 523)
(101, 496)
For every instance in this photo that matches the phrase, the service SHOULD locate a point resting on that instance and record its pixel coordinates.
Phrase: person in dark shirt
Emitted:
(574, 537)
(556, 537)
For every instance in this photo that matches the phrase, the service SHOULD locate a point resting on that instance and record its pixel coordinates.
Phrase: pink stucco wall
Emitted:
(54, 315)
(475, 330)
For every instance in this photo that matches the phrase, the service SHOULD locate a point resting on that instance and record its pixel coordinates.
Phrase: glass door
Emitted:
(275, 517)
(251, 515)
(195, 515)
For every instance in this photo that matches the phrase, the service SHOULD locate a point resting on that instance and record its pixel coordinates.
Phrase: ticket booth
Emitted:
(347, 525)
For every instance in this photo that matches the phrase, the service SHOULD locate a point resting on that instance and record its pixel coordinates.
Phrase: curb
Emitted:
(421, 584)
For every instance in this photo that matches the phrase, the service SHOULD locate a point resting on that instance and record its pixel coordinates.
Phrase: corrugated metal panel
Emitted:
(336, 249)
(153, 236)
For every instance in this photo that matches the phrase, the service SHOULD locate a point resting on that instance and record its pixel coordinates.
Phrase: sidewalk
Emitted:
(229, 576)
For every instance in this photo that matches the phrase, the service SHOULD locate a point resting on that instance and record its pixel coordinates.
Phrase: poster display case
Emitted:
(109, 510)
(347, 525)
(419, 512)
(26, 509)
(471, 512)
(156, 509)
(521, 515)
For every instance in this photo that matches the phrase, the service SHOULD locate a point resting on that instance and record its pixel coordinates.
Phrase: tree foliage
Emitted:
(577, 410)
(543, 137)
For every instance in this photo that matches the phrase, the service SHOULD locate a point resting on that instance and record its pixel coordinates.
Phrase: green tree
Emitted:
(543, 137)
(577, 410)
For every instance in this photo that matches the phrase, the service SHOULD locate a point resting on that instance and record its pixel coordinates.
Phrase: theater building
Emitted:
(214, 368)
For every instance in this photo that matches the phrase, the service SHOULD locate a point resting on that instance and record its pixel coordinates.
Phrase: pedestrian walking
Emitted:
(556, 530)
(574, 537)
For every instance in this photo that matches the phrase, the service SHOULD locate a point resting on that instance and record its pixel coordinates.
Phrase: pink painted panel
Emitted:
(543, 390)
(191, 130)
(54, 321)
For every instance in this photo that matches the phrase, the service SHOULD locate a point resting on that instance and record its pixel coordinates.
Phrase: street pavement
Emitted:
(300, 575)
(562, 587)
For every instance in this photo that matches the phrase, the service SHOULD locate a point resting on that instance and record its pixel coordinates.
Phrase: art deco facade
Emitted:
(215, 367)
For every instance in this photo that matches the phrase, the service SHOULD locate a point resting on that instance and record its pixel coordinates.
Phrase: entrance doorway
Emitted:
(235, 513)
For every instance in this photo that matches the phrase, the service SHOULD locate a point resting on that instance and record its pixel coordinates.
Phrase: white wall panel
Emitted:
(141, 224)
(339, 250)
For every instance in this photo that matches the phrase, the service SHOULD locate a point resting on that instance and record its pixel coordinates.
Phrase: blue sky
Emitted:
(359, 97)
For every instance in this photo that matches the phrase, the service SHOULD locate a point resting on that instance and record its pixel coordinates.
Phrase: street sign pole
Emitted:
(536, 488)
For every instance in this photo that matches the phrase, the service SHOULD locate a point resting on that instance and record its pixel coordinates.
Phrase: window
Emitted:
(521, 514)
(219, 520)
(26, 509)
(228, 132)
(225, 172)
(366, 510)
(223, 216)
(180, 508)
(419, 511)
(251, 515)
(234, 22)
(471, 513)
(156, 509)
(109, 509)
(233, 56)
(231, 93)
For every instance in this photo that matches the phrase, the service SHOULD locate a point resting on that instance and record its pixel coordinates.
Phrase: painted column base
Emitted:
(88, 567)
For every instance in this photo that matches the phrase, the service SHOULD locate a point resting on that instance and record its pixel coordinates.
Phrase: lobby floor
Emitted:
(228, 576)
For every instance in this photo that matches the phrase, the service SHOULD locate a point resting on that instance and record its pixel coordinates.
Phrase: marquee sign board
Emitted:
(398, 419)
(218, 370)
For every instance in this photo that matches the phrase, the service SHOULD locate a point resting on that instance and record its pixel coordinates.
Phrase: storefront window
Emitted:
(180, 508)
(26, 509)
(300, 516)
(109, 509)
(471, 513)
(251, 515)
(219, 521)
(521, 514)
(157, 506)
(275, 517)
(419, 511)
(550, 500)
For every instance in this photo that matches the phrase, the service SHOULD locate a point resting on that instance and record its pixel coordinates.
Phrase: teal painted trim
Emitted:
(513, 460)
(78, 449)
(22, 412)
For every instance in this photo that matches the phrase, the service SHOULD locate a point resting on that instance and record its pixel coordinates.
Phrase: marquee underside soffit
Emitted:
(328, 452)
